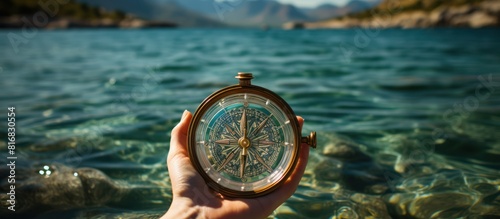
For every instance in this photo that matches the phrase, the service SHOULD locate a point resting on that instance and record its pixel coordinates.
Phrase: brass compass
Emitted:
(244, 140)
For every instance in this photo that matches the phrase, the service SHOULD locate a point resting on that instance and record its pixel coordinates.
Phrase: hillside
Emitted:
(71, 9)
(246, 13)
(268, 12)
(158, 10)
(420, 14)
(68, 15)
(326, 11)
(185, 13)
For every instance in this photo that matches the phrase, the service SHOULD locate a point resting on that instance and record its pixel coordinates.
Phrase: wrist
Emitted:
(182, 208)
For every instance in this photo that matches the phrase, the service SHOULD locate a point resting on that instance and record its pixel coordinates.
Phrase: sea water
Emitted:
(408, 121)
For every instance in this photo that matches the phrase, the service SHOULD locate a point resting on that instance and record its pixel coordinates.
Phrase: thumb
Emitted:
(178, 139)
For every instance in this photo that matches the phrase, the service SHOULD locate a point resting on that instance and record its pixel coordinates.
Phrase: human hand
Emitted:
(192, 198)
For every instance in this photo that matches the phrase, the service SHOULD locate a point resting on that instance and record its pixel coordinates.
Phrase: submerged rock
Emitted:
(328, 170)
(339, 150)
(60, 187)
(344, 149)
(345, 213)
(446, 194)
(378, 188)
(441, 205)
(361, 177)
(370, 206)
(347, 163)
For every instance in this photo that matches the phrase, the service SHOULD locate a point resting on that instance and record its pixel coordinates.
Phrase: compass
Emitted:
(244, 140)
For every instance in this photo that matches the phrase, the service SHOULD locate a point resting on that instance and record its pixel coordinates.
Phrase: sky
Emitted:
(313, 3)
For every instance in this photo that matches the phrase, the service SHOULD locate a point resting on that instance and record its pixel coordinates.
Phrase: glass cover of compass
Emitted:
(244, 140)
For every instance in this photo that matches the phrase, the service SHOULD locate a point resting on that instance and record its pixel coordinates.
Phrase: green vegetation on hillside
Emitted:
(391, 6)
(72, 9)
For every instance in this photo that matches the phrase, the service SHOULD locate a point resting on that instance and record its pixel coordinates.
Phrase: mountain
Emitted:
(326, 11)
(270, 13)
(72, 15)
(323, 11)
(419, 14)
(204, 7)
(71, 9)
(230, 12)
(157, 10)
(357, 5)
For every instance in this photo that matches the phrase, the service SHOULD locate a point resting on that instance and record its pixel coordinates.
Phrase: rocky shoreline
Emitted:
(67, 23)
(483, 14)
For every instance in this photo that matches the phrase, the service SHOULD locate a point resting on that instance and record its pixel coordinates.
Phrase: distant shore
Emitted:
(67, 23)
(483, 14)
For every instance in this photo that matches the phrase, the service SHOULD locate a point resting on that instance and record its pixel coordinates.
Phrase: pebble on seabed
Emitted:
(444, 204)
(328, 170)
(370, 206)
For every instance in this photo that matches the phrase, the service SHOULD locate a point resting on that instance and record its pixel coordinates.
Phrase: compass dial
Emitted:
(244, 140)
(263, 143)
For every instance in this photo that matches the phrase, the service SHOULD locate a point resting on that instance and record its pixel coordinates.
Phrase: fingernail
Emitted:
(184, 114)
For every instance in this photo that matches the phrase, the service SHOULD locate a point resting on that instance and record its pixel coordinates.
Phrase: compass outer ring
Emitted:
(213, 99)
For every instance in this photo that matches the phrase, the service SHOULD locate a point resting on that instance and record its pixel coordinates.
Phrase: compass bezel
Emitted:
(214, 98)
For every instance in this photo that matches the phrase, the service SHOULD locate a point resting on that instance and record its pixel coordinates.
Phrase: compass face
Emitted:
(244, 143)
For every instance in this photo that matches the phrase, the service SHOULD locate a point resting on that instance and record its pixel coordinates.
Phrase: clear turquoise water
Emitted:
(94, 109)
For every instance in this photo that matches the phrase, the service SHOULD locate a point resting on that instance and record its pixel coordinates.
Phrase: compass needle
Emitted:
(231, 131)
(243, 161)
(226, 142)
(261, 161)
(229, 158)
(264, 143)
(244, 142)
(243, 123)
(261, 125)
(260, 137)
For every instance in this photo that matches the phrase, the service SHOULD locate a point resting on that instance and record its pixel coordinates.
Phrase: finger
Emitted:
(301, 122)
(183, 175)
(293, 181)
(178, 140)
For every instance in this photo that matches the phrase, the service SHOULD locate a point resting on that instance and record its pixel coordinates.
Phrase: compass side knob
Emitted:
(245, 78)
(310, 140)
